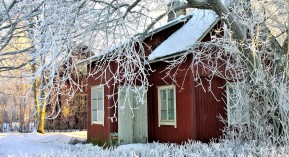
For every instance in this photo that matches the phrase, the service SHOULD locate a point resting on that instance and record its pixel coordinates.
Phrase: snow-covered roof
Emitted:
(182, 18)
(193, 31)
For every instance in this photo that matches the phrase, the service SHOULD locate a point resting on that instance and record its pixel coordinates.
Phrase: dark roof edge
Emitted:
(169, 24)
(89, 59)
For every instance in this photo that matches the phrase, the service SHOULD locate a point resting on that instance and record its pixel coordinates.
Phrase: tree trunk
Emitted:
(41, 120)
(36, 101)
(41, 106)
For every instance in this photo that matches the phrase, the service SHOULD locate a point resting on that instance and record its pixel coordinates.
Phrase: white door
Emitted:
(132, 117)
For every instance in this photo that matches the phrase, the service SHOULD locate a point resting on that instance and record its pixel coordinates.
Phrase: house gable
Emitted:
(194, 30)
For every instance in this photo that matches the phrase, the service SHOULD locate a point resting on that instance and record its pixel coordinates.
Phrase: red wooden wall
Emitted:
(197, 110)
(186, 112)
(209, 109)
(98, 133)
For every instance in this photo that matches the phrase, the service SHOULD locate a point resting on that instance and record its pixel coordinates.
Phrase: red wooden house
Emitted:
(170, 114)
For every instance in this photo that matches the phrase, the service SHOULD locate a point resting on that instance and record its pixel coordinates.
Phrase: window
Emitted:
(97, 102)
(167, 105)
(237, 104)
(82, 69)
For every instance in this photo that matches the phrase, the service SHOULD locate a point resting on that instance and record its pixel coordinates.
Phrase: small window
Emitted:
(82, 69)
(237, 104)
(167, 105)
(97, 105)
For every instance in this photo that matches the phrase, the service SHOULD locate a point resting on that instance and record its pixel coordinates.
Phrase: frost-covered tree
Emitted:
(51, 32)
(254, 48)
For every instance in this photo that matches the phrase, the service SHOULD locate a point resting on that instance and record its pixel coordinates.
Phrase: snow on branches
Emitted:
(43, 35)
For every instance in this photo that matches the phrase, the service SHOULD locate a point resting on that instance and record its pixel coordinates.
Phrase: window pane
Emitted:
(163, 105)
(100, 115)
(244, 114)
(232, 97)
(171, 109)
(163, 95)
(171, 115)
(233, 115)
(99, 93)
(163, 115)
(171, 94)
(94, 104)
(93, 93)
(100, 104)
(94, 115)
(171, 104)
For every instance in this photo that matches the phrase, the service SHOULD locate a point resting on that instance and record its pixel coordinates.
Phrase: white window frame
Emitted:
(241, 105)
(167, 122)
(99, 87)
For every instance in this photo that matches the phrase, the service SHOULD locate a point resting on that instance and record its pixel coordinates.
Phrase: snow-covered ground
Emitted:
(21, 144)
(57, 144)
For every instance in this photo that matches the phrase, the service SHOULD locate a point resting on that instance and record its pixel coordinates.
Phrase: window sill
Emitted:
(168, 123)
(97, 123)
(238, 124)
